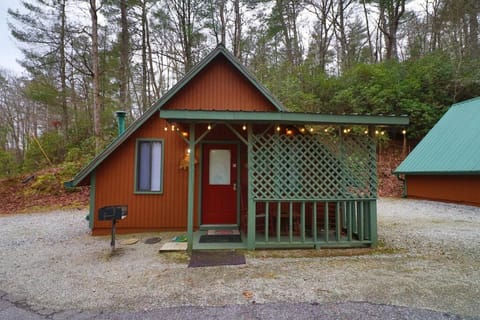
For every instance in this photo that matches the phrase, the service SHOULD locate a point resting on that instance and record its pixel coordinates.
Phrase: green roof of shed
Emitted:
(451, 147)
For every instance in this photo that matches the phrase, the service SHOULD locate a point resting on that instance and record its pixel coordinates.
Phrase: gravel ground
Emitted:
(428, 258)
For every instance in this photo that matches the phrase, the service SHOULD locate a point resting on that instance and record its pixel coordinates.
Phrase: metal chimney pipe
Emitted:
(121, 121)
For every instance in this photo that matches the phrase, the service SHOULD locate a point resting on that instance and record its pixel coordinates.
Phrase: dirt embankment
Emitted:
(41, 191)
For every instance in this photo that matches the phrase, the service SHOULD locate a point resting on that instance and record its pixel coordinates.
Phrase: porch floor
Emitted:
(218, 245)
(282, 242)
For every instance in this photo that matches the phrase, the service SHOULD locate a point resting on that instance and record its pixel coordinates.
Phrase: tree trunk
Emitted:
(187, 33)
(223, 27)
(144, 57)
(369, 35)
(472, 14)
(156, 90)
(341, 35)
(63, 75)
(237, 38)
(391, 12)
(97, 131)
(124, 58)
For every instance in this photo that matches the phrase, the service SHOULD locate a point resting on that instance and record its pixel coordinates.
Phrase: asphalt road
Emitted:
(11, 309)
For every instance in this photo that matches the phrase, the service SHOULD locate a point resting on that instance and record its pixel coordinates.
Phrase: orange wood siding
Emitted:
(460, 189)
(220, 87)
(115, 184)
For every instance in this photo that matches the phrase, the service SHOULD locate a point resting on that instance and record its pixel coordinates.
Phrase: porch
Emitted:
(326, 224)
(311, 181)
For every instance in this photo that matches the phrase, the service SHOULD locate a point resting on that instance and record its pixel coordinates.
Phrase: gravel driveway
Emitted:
(429, 258)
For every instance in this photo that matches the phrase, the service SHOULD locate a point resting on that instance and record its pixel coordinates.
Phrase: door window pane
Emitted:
(219, 167)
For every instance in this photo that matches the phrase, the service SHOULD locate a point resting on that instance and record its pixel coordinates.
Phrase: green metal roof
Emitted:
(451, 147)
(281, 117)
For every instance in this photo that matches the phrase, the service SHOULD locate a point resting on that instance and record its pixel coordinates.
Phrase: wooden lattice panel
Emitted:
(313, 167)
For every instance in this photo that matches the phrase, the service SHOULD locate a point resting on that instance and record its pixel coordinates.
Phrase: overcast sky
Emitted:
(9, 51)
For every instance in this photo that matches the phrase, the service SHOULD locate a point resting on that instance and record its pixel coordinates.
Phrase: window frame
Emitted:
(138, 142)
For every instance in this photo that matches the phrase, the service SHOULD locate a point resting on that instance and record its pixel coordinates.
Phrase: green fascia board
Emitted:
(451, 147)
(281, 117)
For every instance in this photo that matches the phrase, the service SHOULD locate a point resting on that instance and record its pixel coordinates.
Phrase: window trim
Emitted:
(136, 171)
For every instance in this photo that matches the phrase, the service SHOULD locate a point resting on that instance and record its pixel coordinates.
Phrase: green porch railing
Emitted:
(336, 223)
(312, 190)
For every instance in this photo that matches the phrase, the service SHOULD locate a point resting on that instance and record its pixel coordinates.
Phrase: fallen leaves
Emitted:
(247, 294)
(388, 160)
(17, 195)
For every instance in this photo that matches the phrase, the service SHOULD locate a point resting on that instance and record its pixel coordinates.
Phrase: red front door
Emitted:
(219, 184)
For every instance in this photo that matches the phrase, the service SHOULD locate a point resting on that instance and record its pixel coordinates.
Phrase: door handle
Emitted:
(234, 186)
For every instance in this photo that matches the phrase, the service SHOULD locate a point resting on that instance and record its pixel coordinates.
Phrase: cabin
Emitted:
(218, 152)
(445, 165)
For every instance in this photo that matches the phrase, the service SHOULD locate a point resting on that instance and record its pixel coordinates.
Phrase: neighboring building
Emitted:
(445, 165)
(219, 151)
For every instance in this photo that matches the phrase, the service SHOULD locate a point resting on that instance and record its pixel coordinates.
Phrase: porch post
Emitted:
(91, 212)
(191, 187)
(373, 222)
(251, 205)
(373, 203)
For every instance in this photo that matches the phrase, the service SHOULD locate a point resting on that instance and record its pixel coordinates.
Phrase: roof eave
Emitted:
(437, 173)
(283, 117)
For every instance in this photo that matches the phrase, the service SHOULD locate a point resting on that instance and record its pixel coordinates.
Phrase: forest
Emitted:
(85, 59)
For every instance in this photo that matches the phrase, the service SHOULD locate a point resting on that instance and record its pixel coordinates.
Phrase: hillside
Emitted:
(41, 191)
(389, 159)
(44, 190)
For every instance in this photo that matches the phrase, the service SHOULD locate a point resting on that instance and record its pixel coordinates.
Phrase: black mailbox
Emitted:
(112, 213)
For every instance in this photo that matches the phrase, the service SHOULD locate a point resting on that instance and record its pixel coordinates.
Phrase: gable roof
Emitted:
(452, 146)
(282, 115)
(219, 50)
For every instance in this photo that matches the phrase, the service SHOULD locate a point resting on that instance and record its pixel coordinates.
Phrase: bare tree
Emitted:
(284, 18)
(390, 15)
(184, 14)
(97, 129)
(44, 31)
(237, 34)
(124, 57)
(323, 32)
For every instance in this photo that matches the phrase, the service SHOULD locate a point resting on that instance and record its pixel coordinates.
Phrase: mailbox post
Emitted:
(112, 213)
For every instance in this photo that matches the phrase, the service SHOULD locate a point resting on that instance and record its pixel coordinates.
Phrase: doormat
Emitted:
(215, 258)
(222, 238)
(222, 232)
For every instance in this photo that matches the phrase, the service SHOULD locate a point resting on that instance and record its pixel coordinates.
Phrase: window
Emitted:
(149, 177)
